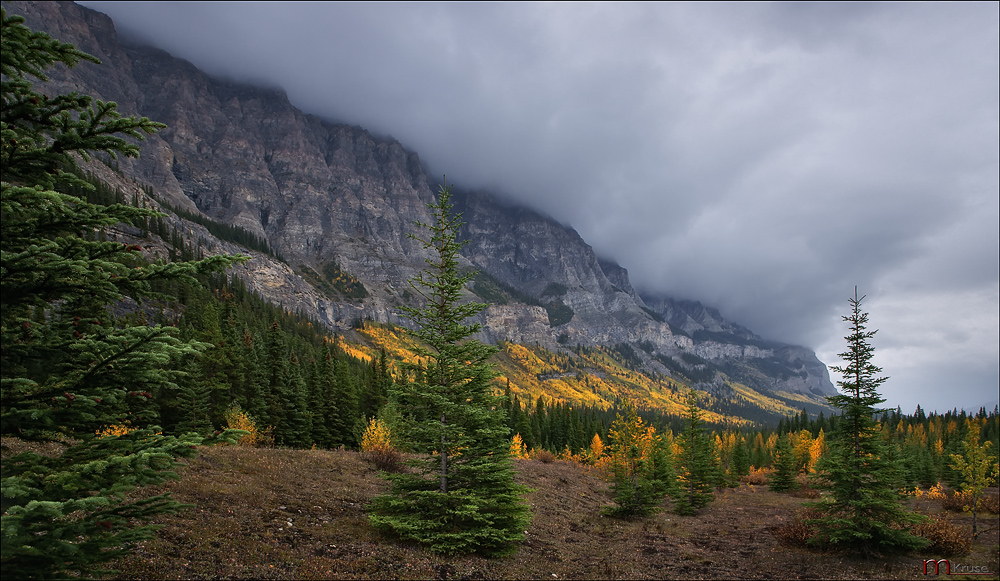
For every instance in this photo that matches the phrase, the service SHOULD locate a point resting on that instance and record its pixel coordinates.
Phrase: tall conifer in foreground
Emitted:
(460, 496)
(866, 512)
(68, 368)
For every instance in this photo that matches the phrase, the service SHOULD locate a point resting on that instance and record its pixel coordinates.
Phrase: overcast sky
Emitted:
(761, 158)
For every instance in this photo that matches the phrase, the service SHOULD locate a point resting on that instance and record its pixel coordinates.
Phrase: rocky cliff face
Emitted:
(334, 198)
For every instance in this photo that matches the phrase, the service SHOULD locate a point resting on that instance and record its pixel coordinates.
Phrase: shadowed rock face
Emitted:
(324, 193)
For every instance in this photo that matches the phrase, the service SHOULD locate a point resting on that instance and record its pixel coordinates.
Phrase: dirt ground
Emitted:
(288, 514)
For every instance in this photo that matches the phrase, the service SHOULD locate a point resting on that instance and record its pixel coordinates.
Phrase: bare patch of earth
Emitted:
(294, 514)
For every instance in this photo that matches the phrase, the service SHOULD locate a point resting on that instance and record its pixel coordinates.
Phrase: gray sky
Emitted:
(760, 158)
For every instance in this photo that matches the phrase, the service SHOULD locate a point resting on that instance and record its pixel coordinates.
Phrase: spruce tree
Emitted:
(739, 465)
(460, 496)
(783, 477)
(68, 367)
(865, 513)
(697, 470)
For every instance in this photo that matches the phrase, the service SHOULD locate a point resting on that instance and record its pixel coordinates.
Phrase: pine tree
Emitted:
(461, 496)
(67, 368)
(865, 513)
(697, 471)
(783, 477)
(739, 465)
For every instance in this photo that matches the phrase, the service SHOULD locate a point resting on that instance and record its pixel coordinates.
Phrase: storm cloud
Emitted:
(761, 158)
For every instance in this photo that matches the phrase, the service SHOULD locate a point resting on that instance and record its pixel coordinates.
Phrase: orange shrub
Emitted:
(757, 476)
(946, 538)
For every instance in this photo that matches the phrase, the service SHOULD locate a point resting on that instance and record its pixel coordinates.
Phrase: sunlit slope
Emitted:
(595, 377)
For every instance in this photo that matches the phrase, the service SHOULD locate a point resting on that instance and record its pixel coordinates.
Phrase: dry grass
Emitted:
(299, 514)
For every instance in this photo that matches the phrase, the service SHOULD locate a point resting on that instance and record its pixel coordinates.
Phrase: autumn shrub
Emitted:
(377, 447)
(255, 437)
(567, 455)
(805, 490)
(990, 503)
(757, 476)
(936, 492)
(798, 531)
(542, 455)
(956, 501)
(946, 538)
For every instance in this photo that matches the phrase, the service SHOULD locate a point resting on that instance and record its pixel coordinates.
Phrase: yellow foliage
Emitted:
(632, 443)
(772, 442)
(803, 449)
(121, 429)
(596, 450)
(377, 437)
(517, 447)
(568, 455)
(936, 492)
(237, 419)
(816, 450)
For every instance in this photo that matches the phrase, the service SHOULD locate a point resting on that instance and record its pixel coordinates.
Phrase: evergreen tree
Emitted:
(346, 415)
(461, 496)
(696, 468)
(783, 477)
(739, 465)
(320, 398)
(67, 369)
(866, 509)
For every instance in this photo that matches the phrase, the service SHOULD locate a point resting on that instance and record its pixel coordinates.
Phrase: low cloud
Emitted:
(761, 158)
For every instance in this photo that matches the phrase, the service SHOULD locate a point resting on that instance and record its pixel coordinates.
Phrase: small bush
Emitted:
(936, 492)
(990, 503)
(946, 538)
(377, 448)
(798, 531)
(237, 419)
(804, 492)
(757, 476)
(543, 456)
(955, 501)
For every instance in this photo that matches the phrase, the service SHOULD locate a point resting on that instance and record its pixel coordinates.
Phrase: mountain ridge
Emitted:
(331, 197)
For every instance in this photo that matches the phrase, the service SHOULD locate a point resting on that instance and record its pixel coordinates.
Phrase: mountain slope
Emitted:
(339, 205)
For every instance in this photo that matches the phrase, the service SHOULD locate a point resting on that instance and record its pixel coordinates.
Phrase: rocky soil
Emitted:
(285, 514)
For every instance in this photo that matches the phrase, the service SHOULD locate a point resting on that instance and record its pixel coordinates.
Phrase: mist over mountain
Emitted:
(339, 205)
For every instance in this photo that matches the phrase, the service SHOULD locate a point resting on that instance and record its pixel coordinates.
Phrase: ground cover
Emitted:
(294, 514)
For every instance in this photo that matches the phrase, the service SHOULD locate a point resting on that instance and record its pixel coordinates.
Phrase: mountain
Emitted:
(339, 204)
